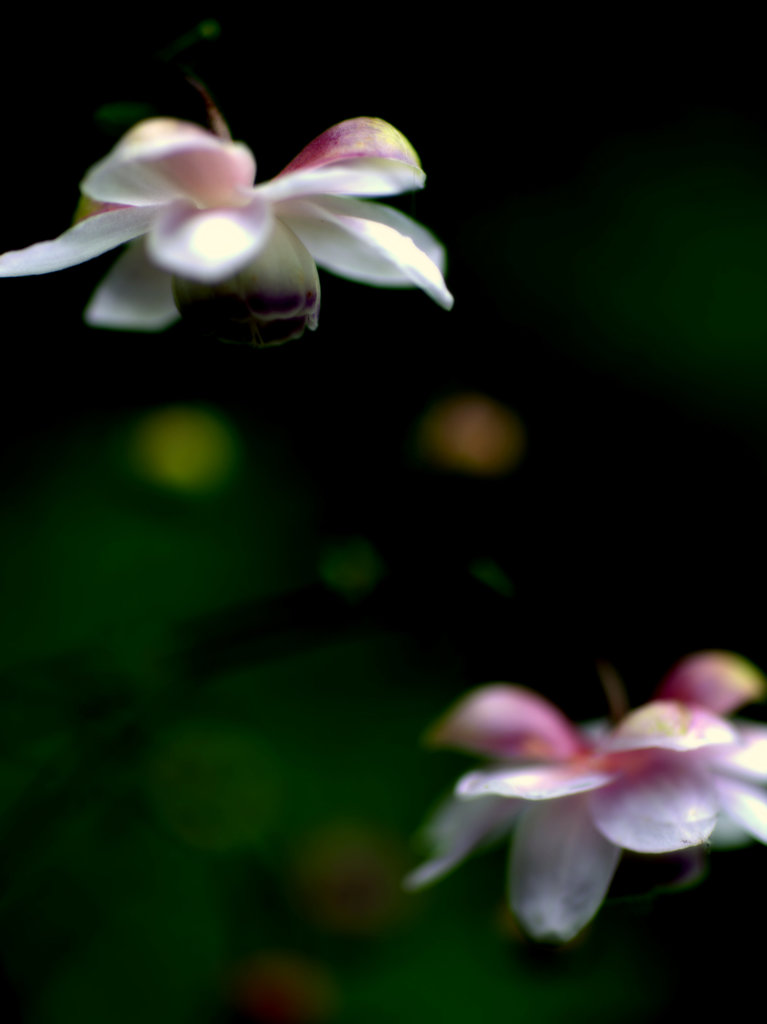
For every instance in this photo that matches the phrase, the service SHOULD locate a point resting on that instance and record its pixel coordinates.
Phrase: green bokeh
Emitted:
(166, 820)
(650, 261)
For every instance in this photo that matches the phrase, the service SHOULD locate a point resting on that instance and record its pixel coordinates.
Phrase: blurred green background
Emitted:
(238, 585)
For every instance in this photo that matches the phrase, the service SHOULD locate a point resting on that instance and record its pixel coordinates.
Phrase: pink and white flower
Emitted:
(576, 797)
(722, 682)
(206, 240)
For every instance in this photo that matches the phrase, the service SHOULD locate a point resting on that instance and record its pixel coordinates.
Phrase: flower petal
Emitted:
(316, 218)
(456, 829)
(719, 680)
(83, 241)
(668, 803)
(370, 243)
(367, 177)
(134, 296)
(362, 156)
(208, 245)
(355, 139)
(507, 721)
(670, 725)
(749, 757)
(162, 159)
(561, 869)
(746, 805)
(543, 783)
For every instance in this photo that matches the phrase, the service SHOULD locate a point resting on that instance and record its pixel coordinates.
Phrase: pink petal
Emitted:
(134, 296)
(209, 245)
(670, 725)
(746, 805)
(719, 680)
(749, 757)
(507, 721)
(162, 159)
(457, 829)
(561, 869)
(358, 137)
(84, 240)
(667, 803)
(541, 783)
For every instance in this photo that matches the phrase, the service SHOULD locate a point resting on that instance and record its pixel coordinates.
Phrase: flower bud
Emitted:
(272, 300)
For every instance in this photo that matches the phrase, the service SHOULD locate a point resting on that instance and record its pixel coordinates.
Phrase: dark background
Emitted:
(211, 688)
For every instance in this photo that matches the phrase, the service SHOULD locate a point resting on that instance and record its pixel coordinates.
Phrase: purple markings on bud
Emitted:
(272, 300)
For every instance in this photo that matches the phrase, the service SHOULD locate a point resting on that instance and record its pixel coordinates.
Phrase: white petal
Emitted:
(667, 804)
(747, 758)
(540, 783)
(370, 243)
(161, 159)
(135, 295)
(84, 240)
(561, 869)
(208, 245)
(746, 805)
(368, 176)
(458, 828)
(670, 725)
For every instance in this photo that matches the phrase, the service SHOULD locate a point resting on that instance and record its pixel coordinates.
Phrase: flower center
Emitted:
(216, 237)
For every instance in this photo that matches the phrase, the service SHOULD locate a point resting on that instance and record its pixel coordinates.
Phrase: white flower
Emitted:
(205, 239)
(576, 797)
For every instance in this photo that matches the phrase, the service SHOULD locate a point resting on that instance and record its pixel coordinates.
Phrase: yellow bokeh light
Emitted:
(184, 448)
